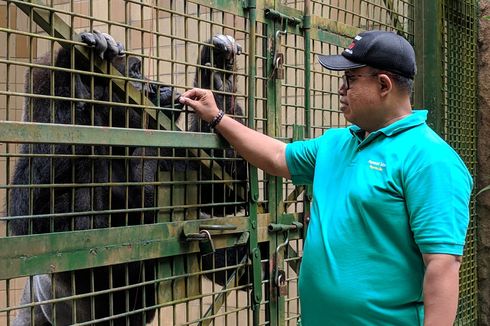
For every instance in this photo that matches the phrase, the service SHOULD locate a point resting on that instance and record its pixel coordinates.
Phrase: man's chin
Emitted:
(345, 111)
(347, 116)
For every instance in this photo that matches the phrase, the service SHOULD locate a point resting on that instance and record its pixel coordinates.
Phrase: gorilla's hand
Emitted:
(225, 48)
(105, 45)
(168, 97)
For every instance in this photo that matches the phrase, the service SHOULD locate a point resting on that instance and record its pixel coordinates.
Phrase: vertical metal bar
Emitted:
(428, 49)
(307, 55)
(307, 36)
(7, 117)
(254, 181)
(270, 129)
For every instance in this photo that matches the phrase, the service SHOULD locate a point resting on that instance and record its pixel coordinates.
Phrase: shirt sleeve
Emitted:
(301, 159)
(437, 199)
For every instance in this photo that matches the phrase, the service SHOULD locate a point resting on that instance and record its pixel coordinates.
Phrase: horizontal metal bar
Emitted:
(276, 15)
(332, 32)
(232, 7)
(218, 227)
(26, 132)
(65, 251)
(274, 227)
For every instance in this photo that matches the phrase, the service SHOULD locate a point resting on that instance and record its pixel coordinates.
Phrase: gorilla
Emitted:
(77, 202)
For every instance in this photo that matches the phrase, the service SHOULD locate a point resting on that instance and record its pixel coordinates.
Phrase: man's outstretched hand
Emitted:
(202, 101)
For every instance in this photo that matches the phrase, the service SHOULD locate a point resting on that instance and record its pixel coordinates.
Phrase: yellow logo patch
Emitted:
(378, 166)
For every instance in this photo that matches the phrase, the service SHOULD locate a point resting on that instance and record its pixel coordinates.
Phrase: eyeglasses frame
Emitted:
(346, 78)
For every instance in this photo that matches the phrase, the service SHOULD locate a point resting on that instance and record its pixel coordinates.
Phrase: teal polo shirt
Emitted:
(378, 204)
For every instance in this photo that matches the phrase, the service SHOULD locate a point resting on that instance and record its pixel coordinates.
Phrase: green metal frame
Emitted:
(64, 251)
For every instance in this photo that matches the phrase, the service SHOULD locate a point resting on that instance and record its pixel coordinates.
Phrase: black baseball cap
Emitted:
(378, 49)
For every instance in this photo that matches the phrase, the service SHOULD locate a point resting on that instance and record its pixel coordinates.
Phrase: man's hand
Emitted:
(202, 101)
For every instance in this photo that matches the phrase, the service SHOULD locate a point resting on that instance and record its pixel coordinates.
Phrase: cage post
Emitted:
(428, 50)
(256, 294)
(273, 106)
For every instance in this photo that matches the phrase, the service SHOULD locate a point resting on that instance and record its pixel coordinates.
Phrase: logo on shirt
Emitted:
(378, 166)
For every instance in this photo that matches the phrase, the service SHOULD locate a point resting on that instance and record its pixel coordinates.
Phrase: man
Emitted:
(390, 208)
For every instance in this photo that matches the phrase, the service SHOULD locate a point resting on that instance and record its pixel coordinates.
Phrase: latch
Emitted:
(278, 58)
(279, 278)
(206, 244)
(279, 273)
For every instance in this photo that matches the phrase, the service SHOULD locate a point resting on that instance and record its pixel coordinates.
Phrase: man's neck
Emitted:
(391, 120)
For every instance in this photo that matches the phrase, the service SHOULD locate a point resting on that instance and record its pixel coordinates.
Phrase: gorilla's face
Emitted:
(160, 95)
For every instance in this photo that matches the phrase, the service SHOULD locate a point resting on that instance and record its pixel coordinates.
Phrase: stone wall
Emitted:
(484, 166)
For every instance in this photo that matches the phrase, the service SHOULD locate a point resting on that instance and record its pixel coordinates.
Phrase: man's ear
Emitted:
(386, 84)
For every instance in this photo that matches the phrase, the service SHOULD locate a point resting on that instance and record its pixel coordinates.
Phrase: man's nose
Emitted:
(342, 89)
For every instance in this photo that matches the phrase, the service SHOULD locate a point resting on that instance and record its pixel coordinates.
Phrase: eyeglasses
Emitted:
(346, 79)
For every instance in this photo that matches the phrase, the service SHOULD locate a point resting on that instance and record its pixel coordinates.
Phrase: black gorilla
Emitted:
(85, 166)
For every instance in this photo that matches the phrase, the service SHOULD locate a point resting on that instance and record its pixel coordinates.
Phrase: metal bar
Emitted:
(307, 70)
(273, 108)
(276, 15)
(428, 49)
(275, 227)
(64, 251)
(50, 133)
(332, 31)
(223, 5)
(256, 293)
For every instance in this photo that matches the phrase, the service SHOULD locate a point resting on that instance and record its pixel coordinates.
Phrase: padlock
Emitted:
(279, 65)
(206, 244)
(281, 283)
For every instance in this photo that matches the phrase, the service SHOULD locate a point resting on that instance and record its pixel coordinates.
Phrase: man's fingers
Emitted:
(188, 101)
(195, 93)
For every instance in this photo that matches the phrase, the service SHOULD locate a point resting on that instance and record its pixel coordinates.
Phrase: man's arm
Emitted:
(441, 289)
(262, 151)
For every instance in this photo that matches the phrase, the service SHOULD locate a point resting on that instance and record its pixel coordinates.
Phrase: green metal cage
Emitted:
(196, 199)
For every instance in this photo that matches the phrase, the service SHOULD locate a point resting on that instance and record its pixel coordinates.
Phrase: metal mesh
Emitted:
(460, 26)
(139, 191)
(92, 181)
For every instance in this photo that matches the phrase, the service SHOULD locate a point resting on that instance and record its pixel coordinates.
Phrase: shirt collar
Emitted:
(417, 117)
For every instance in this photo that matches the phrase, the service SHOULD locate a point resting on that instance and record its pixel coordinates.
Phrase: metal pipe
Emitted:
(307, 39)
(256, 295)
(276, 15)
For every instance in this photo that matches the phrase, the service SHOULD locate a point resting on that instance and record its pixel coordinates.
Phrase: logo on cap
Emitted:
(353, 44)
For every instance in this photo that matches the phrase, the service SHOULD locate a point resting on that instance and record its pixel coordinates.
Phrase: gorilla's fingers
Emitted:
(113, 47)
(221, 42)
(120, 48)
(218, 82)
(101, 43)
(227, 43)
(105, 45)
(88, 38)
(231, 44)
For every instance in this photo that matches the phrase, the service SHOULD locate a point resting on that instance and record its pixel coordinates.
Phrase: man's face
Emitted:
(359, 100)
